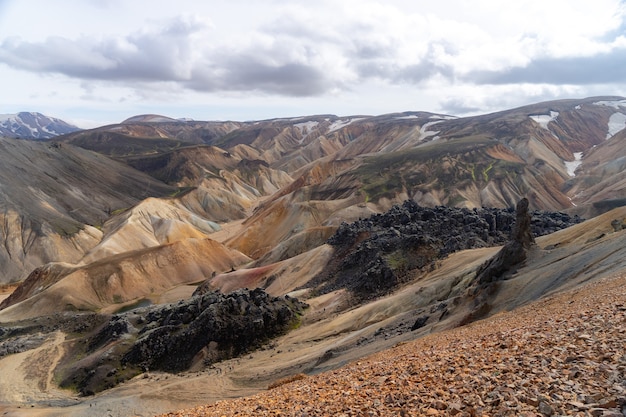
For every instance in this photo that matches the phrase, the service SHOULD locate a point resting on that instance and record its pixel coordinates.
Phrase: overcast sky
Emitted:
(93, 62)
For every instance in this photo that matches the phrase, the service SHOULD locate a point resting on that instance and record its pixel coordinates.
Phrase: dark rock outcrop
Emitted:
(374, 255)
(203, 329)
(488, 278)
(514, 252)
(222, 326)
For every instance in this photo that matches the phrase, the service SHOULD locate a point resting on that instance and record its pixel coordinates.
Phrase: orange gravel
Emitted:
(564, 355)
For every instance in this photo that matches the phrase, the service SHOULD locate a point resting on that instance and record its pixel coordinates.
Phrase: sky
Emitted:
(96, 62)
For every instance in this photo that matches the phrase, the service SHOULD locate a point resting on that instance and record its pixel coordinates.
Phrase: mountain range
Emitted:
(32, 125)
(380, 224)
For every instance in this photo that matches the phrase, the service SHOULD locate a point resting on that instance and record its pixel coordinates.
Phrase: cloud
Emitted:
(180, 51)
(605, 68)
(301, 50)
(163, 54)
(248, 74)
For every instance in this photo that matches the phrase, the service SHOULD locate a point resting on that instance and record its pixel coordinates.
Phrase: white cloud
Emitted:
(455, 53)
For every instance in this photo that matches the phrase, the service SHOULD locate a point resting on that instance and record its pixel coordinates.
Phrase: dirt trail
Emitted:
(27, 377)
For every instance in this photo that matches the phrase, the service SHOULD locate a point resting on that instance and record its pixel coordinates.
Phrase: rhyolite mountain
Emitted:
(381, 224)
(54, 199)
(490, 160)
(32, 125)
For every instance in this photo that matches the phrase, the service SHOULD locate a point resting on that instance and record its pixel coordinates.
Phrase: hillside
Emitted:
(147, 135)
(334, 333)
(344, 168)
(562, 355)
(55, 198)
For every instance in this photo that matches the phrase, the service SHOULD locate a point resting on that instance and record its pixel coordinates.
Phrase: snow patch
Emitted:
(425, 133)
(306, 127)
(436, 116)
(617, 122)
(572, 165)
(577, 107)
(616, 104)
(406, 117)
(544, 119)
(342, 123)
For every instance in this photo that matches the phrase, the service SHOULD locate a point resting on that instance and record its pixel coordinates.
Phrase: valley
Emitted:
(381, 225)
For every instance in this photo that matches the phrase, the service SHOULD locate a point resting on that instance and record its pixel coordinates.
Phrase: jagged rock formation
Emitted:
(514, 252)
(223, 325)
(374, 255)
(203, 329)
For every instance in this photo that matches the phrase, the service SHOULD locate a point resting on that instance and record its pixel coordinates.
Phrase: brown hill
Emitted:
(144, 252)
(488, 160)
(600, 181)
(54, 198)
(147, 135)
(140, 276)
(492, 160)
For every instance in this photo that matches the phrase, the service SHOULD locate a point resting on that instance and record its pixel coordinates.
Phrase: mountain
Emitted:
(28, 125)
(54, 200)
(490, 160)
(388, 227)
(148, 134)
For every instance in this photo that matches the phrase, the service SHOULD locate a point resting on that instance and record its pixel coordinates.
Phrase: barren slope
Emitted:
(114, 281)
(53, 198)
(290, 183)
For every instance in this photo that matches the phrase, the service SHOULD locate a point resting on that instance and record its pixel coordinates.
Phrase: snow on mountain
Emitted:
(544, 119)
(617, 122)
(28, 125)
(572, 165)
(616, 104)
(343, 123)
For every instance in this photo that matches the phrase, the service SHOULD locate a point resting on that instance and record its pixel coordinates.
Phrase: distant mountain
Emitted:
(149, 118)
(28, 125)
(148, 134)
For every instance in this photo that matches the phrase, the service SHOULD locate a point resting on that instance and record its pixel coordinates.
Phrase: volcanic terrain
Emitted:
(160, 264)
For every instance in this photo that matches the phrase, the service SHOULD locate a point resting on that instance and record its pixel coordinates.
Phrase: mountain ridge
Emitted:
(33, 125)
